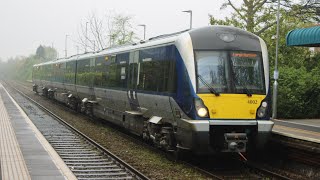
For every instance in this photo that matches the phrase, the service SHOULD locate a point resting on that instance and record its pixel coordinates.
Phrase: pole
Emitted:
(190, 12)
(144, 30)
(86, 40)
(190, 19)
(66, 45)
(276, 72)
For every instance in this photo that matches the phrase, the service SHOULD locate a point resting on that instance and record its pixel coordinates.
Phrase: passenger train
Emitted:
(204, 90)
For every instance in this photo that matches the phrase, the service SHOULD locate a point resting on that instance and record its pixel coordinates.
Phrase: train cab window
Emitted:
(230, 72)
(212, 70)
(248, 72)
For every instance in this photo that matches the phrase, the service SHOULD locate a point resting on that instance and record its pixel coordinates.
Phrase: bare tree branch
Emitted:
(265, 28)
(237, 10)
(103, 32)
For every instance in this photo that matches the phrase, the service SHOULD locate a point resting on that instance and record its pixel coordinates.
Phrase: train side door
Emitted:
(133, 80)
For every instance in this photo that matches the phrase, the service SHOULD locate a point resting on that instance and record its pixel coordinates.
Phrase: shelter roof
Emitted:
(309, 37)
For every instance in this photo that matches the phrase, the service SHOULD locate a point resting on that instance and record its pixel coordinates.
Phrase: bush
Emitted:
(299, 93)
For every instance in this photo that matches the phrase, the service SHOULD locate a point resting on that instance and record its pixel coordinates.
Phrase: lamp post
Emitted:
(190, 12)
(144, 30)
(86, 40)
(111, 39)
(276, 72)
(66, 41)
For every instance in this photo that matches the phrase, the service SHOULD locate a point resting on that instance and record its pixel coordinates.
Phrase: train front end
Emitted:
(228, 106)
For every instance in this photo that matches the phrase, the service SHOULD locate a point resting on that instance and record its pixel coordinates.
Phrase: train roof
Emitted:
(152, 42)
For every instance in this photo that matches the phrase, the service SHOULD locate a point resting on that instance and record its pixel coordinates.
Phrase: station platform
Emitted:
(302, 129)
(24, 152)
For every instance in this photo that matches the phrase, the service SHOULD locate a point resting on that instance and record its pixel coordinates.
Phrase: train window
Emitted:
(69, 75)
(49, 72)
(63, 69)
(100, 71)
(133, 70)
(248, 71)
(157, 69)
(230, 72)
(118, 71)
(85, 75)
(212, 70)
(122, 61)
(112, 75)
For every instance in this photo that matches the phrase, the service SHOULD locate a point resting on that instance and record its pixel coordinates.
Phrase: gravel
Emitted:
(153, 164)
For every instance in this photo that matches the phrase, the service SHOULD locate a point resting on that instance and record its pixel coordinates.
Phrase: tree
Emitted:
(120, 30)
(45, 53)
(40, 53)
(99, 33)
(257, 16)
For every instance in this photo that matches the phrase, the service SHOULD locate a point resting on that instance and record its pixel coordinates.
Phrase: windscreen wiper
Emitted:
(211, 89)
(248, 92)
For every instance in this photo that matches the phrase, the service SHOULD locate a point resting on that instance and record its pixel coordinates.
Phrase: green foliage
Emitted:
(299, 93)
(46, 53)
(20, 68)
(122, 32)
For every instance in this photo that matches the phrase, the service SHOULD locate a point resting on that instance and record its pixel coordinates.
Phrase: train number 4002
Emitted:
(252, 101)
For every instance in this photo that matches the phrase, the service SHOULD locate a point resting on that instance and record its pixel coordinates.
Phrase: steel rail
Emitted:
(249, 165)
(136, 173)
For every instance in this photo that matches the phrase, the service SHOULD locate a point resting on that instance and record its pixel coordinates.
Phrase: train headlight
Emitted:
(201, 109)
(264, 104)
(262, 110)
(202, 112)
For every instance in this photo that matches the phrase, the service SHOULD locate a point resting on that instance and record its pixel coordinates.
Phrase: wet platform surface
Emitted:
(24, 152)
(304, 129)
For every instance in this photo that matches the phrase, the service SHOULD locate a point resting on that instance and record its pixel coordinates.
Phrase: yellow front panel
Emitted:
(232, 106)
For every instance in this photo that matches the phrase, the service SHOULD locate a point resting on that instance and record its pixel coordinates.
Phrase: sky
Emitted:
(26, 24)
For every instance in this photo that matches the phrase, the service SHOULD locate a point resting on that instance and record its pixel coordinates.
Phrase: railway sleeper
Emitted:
(116, 169)
(79, 167)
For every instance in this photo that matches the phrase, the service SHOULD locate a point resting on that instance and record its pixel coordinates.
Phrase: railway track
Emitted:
(247, 170)
(85, 158)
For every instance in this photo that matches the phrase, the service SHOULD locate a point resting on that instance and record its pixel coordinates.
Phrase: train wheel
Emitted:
(167, 141)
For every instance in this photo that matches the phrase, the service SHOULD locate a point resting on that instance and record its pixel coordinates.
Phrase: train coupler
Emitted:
(235, 142)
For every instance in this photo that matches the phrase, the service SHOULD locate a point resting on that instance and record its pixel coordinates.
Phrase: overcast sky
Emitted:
(25, 24)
